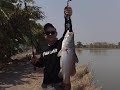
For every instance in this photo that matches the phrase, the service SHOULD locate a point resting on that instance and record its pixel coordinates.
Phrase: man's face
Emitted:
(50, 34)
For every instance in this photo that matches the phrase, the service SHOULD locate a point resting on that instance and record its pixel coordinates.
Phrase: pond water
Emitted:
(105, 64)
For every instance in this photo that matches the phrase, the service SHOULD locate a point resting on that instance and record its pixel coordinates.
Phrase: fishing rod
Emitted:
(68, 2)
(4, 13)
(33, 53)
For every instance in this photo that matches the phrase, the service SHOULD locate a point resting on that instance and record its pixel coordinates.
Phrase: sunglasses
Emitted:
(50, 32)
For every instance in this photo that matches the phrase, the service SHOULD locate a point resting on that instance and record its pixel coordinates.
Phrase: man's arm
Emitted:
(67, 17)
(65, 25)
(68, 21)
(39, 63)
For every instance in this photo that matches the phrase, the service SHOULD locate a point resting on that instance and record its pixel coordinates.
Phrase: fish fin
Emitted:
(73, 72)
(60, 74)
(59, 53)
(76, 58)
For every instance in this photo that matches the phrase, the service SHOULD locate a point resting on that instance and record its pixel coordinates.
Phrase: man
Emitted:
(49, 59)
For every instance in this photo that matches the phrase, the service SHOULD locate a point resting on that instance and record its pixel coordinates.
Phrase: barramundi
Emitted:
(68, 57)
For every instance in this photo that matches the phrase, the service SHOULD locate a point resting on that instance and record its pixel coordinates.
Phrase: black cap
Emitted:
(47, 25)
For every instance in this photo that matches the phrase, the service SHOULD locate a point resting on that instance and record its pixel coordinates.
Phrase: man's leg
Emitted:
(58, 86)
(43, 87)
(66, 86)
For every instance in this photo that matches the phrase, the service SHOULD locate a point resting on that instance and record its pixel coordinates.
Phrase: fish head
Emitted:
(68, 40)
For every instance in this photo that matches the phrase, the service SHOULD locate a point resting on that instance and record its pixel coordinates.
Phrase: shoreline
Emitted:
(23, 77)
(83, 79)
(97, 48)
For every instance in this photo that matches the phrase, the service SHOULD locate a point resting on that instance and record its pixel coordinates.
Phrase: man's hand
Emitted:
(34, 60)
(67, 11)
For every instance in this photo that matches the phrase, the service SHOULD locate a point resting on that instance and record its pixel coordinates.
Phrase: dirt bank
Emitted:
(21, 76)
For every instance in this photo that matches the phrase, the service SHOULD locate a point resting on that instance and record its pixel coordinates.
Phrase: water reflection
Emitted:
(78, 51)
(98, 51)
(104, 64)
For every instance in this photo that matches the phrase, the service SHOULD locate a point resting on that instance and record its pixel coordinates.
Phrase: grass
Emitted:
(83, 79)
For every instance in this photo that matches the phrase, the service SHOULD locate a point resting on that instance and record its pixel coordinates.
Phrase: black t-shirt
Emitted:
(51, 62)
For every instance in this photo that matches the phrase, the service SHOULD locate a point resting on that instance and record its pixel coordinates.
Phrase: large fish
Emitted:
(68, 57)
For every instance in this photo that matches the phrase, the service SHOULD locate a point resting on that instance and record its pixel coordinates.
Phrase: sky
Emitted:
(92, 20)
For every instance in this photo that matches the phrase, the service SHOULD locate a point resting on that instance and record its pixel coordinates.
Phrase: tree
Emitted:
(17, 26)
(118, 43)
(79, 44)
